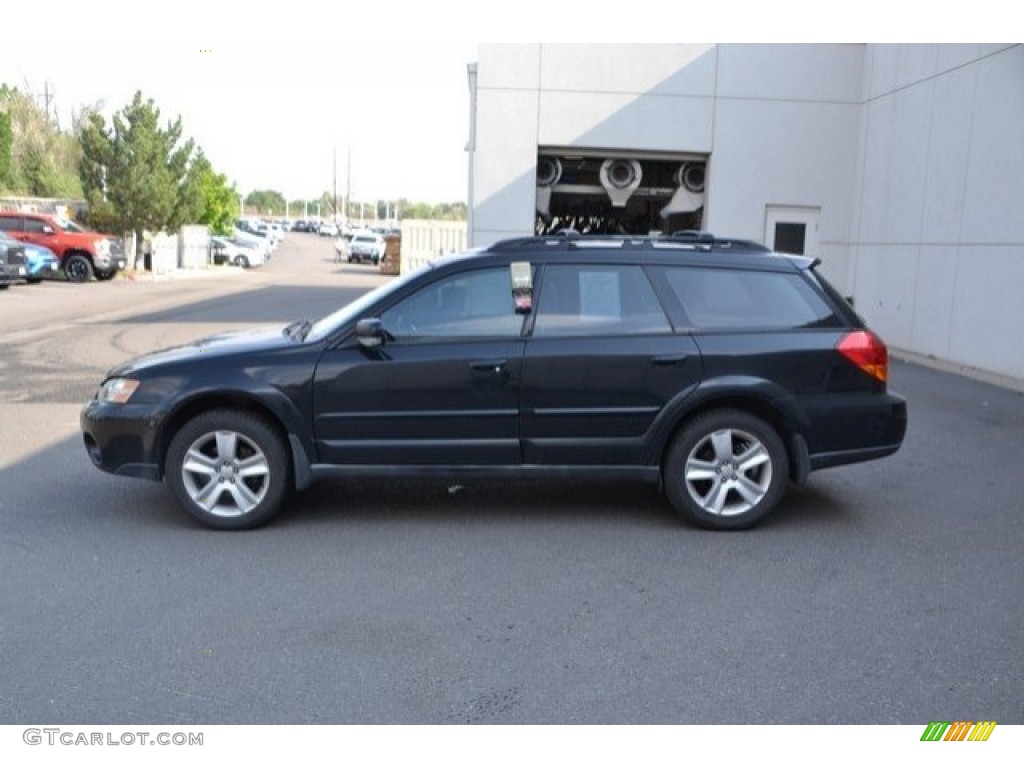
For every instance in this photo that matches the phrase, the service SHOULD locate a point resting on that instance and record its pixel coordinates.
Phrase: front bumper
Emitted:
(122, 438)
(108, 263)
(10, 273)
(47, 269)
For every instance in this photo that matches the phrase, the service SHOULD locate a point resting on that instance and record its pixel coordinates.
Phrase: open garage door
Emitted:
(612, 192)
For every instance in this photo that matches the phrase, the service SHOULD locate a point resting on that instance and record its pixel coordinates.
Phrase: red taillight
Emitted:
(867, 352)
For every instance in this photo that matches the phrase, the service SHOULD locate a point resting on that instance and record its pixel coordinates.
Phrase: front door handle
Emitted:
(665, 361)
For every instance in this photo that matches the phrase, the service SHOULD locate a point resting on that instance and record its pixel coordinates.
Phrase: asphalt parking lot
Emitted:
(889, 592)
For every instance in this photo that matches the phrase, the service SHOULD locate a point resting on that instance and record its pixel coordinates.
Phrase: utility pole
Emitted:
(48, 97)
(335, 183)
(348, 182)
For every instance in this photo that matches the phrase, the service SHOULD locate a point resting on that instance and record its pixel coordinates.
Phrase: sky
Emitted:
(278, 117)
(281, 96)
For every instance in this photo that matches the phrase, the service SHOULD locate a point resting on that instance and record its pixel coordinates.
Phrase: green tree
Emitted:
(219, 200)
(6, 145)
(136, 171)
(41, 160)
(267, 202)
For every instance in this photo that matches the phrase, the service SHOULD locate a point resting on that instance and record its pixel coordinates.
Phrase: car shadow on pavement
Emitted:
(431, 501)
(272, 304)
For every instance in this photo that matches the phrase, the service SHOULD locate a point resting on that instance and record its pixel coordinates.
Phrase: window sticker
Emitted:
(522, 286)
(600, 294)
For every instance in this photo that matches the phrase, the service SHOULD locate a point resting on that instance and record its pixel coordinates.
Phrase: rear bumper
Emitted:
(858, 429)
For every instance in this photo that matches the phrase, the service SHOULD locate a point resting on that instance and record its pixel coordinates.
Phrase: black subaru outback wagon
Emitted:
(716, 368)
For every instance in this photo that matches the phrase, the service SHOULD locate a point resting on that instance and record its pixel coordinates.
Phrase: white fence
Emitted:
(188, 249)
(424, 240)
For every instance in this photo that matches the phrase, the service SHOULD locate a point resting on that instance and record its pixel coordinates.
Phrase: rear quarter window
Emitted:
(737, 298)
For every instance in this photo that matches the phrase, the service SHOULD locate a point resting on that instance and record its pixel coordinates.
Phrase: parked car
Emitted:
(228, 250)
(82, 253)
(718, 371)
(328, 229)
(40, 262)
(258, 240)
(12, 264)
(367, 246)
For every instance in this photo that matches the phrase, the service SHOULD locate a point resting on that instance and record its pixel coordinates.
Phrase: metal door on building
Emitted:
(792, 229)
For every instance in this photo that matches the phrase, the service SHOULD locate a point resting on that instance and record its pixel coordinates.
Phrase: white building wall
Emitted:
(912, 154)
(778, 122)
(938, 265)
(786, 134)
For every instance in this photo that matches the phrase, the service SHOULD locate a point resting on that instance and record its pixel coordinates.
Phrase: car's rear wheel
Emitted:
(78, 268)
(228, 469)
(726, 470)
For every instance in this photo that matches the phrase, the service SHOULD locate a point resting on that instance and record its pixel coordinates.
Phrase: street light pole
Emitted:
(335, 183)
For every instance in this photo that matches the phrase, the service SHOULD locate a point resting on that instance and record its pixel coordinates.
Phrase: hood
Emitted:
(219, 346)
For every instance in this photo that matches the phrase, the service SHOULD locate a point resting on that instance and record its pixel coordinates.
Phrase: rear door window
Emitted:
(598, 300)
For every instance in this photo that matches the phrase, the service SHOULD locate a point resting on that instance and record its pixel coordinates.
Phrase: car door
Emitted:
(442, 389)
(600, 364)
(34, 231)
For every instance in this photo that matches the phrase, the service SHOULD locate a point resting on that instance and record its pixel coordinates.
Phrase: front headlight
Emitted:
(117, 390)
(102, 247)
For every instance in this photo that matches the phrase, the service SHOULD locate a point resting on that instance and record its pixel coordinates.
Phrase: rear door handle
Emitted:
(488, 366)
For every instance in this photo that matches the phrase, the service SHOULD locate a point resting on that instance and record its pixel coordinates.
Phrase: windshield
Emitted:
(354, 310)
(69, 226)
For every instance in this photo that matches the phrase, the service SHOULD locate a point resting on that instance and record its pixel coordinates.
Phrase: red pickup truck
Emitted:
(82, 253)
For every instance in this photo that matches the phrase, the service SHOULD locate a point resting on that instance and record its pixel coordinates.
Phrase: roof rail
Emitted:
(569, 240)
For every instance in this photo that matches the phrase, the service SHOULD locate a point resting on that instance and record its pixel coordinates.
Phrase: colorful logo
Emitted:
(959, 730)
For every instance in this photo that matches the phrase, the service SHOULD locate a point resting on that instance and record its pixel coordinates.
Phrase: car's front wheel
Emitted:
(228, 469)
(78, 268)
(726, 470)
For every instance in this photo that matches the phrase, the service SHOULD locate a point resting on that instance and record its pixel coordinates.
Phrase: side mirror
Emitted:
(370, 332)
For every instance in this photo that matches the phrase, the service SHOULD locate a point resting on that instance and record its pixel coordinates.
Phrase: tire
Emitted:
(33, 280)
(241, 261)
(78, 268)
(726, 470)
(4, 286)
(228, 469)
(105, 274)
